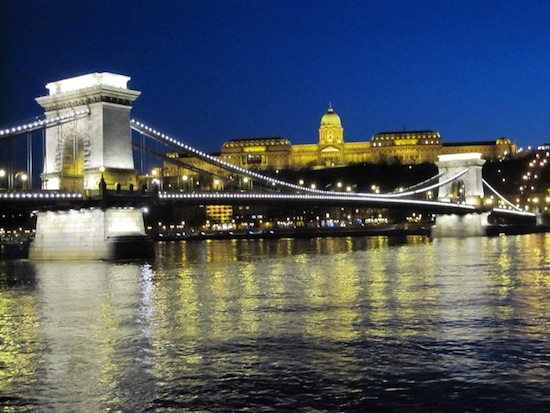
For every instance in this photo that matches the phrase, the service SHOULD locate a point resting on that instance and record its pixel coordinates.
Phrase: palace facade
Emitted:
(406, 147)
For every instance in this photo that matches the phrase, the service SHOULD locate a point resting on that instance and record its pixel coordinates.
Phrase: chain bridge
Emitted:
(89, 205)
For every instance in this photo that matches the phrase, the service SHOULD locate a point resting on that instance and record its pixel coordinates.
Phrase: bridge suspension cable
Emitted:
(500, 196)
(325, 198)
(425, 189)
(39, 124)
(419, 184)
(176, 161)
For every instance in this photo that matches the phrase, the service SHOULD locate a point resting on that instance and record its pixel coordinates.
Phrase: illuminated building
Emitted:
(406, 147)
(331, 151)
(258, 153)
(219, 214)
(491, 150)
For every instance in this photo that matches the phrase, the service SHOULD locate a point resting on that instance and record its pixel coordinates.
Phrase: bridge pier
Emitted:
(90, 234)
(458, 226)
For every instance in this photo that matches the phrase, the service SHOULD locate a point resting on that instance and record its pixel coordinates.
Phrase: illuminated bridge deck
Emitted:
(48, 200)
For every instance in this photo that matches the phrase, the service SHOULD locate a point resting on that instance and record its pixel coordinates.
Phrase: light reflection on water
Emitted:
(334, 324)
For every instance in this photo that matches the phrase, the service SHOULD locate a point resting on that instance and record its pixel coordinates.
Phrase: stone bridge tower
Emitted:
(466, 189)
(80, 152)
(469, 187)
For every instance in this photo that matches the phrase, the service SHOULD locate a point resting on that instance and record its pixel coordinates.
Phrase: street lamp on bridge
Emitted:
(185, 179)
(2, 177)
(246, 184)
(23, 178)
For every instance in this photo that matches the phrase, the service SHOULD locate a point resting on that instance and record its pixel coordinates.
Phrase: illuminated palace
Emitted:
(406, 147)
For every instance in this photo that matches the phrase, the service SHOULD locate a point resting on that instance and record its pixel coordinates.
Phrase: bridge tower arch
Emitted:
(80, 152)
(467, 189)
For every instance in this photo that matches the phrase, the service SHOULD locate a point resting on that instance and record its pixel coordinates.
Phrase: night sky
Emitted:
(210, 71)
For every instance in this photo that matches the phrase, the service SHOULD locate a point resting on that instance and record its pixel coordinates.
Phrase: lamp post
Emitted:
(2, 177)
(218, 184)
(246, 184)
(157, 178)
(185, 179)
(23, 178)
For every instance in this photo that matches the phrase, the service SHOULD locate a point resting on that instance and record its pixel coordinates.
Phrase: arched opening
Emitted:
(458, 192)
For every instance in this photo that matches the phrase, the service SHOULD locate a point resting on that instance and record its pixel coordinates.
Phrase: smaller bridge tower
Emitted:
(467, 189)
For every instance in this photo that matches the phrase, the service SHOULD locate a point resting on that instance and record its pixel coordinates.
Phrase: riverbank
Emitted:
(398, 230)
(275, 233)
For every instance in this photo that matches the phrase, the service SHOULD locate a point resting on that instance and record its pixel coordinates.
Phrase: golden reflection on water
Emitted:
(93, 333)
(20, 345)
(86, 314)
(332, 299)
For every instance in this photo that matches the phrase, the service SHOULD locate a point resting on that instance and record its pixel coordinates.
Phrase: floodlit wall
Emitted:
(86, 234)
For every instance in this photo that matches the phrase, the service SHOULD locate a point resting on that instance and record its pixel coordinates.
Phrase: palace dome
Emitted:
(331, 119)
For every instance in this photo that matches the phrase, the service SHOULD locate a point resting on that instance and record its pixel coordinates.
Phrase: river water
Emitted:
(317, 325)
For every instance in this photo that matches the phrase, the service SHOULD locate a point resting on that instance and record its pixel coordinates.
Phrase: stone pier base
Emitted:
(457, 226)
(90, 234)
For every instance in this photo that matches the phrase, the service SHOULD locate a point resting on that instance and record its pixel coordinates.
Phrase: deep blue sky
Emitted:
(210, 71)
